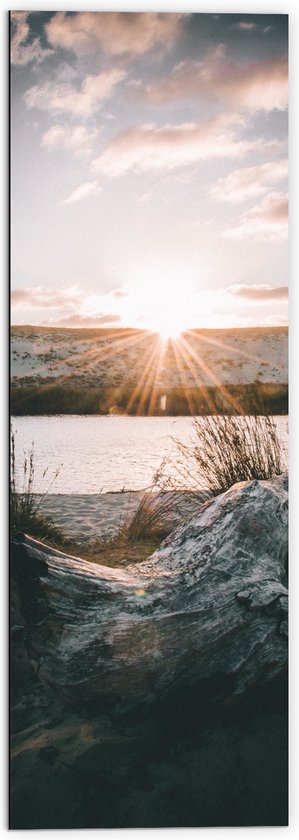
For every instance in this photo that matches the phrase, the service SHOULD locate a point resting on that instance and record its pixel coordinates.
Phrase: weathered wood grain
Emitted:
(210, 603)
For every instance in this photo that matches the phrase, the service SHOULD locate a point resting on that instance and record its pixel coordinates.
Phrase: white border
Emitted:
(254, 7)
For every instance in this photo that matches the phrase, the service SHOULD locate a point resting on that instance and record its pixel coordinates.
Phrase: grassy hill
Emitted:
(93, 371)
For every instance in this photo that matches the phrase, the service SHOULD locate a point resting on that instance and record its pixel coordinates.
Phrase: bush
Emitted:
(228, 449)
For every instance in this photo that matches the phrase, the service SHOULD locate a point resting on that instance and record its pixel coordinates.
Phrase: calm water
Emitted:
(101, 453)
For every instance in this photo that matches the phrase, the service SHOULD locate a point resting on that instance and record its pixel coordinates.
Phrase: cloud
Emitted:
(258, 292)
(84, 190)
(62, 307)
(150, 147)
(119, 293)
(244, 26)
(259, 85)
(22, 53)
(267, 220)
(39, 297)
(69, 99)
(116, 33)
(75, 139)
(87, 320)
(250, 181)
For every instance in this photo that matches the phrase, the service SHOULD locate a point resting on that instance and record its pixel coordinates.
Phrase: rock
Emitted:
(210, 605)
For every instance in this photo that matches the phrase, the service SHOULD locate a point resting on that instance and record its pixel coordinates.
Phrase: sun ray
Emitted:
(180, 368)
(97, 355)
(194, 373)
(143, 387)
(225, 393)
(199, 336)
(160, 356)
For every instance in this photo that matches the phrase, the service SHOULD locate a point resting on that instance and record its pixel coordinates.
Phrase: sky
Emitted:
(149, 169)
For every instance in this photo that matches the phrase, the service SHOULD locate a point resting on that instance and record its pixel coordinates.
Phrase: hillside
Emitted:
(130, 370)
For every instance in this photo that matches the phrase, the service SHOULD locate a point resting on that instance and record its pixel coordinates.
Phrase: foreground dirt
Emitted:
(175, 764)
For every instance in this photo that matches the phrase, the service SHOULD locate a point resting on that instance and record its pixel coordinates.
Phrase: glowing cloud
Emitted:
(149, 147)
(258, 292)
(250, 181)
(259, 85)
(269, 219)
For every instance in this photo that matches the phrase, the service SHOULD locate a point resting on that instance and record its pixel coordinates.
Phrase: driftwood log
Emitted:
(209, 604)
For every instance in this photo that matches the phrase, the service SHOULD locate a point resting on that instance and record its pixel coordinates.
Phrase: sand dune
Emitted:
(115, 357)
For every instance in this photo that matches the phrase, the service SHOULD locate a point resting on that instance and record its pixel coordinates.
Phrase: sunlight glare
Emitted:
(163, 303)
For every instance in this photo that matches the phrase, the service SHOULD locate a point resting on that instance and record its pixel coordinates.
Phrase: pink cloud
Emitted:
(22, 53)
(267, 220)
(61, 307)
(150, 147)
(258, 292)
(247, 85)
(39, 297)
(116, 33)
(250, 181)
(87, 320)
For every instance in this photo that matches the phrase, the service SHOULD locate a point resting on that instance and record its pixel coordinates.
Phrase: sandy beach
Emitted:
(84, 517)
(87, 517)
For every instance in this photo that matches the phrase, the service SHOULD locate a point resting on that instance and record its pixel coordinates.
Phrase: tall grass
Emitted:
(152, 519)
(229, 449)
(25, 504)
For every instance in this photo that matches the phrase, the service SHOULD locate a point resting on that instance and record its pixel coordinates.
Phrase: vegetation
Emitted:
(59, 398)
(224, 450)
(228, 449)
(25, 505)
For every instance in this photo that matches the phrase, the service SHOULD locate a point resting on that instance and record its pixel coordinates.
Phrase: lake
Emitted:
(101, 453)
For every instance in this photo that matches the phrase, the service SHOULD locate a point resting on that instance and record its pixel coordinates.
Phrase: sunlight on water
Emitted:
(101, 454)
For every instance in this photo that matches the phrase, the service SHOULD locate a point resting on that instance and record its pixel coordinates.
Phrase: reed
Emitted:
(227, 449)
(25, 504)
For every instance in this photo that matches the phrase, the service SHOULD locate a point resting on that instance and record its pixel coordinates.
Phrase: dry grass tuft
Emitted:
(25, 514)
(229, 449)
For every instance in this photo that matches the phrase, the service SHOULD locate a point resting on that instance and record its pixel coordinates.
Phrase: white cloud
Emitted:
(75, 139)
(84, 190)
(22, 53)
(150, 147)
(249, 181)
(69, 99)
(267, 220)
(116, 33)
(244, 26)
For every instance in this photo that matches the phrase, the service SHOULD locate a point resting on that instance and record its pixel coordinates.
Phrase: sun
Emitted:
(168, 330)
(163, 301)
